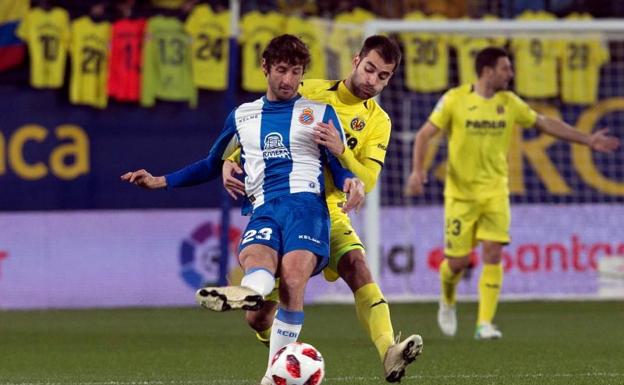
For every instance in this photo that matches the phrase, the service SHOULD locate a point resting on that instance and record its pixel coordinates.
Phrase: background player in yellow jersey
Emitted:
(367, 129)
(478, 120)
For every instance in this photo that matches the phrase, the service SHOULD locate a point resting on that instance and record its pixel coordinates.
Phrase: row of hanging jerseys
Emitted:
(141, 60)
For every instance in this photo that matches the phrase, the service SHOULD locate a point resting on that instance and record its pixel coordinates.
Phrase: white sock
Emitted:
(259, 280)
(286, 328)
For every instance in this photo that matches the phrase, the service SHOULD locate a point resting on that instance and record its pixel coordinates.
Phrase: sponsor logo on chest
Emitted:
(274, 147)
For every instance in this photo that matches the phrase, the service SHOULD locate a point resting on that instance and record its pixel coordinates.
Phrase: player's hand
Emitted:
(354, 188)
(232, 185)
(601, 142)
(144, 179)
(416, 183)
(326, 135)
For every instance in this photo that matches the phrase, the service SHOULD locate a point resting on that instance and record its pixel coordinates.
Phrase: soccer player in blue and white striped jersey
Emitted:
(289, 226)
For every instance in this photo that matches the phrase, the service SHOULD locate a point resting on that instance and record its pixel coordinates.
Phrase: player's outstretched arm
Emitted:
(143, 178)
(354, 188)
(598, 141)
(418, 176)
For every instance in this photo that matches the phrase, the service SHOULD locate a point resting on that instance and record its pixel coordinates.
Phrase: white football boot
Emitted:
(447, 319)
(401, 354)
(228, 298)
(487, 331)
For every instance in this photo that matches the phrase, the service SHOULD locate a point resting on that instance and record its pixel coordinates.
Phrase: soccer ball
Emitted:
(297, 364)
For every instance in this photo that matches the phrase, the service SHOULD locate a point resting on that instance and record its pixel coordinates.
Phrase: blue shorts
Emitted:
(291, 222)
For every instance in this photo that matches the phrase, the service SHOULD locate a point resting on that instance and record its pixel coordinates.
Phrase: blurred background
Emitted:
(92, 89)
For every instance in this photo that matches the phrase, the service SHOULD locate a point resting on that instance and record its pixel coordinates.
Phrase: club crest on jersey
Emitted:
(307, 116)
(274, 147)
(357, 124)
(500, 109)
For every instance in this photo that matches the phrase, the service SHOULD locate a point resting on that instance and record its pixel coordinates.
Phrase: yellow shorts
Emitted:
(342, 239)
(469, 221)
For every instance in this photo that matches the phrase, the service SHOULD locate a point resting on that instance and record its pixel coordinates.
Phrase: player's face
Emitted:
(283, 79)
(502, 74)
(370, 75)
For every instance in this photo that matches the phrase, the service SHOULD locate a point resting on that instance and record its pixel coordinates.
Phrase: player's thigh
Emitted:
(305, 226)
(460, 219)
(261, 237)
(495, 220)
(343, 239)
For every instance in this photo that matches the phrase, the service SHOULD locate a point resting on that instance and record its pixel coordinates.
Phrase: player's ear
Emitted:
(265, 70)
(356, 61)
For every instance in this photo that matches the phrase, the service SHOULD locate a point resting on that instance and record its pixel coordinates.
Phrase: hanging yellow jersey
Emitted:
(467, 49)
(366, 125)
(479, 134)
(89, 52)
(312, 32)
(346, 38)
(47, 35)
(13, 10)
(535, 61)
(209, 47)
(257, 30)
(583, 56)
(426, 58)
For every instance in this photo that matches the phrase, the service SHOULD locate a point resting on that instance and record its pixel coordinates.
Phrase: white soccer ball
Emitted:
(297, 364)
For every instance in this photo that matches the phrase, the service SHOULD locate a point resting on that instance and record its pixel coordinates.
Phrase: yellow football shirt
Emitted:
(346, 38)
(426, 58)
(479, 134)
(210, 47)
(467, 49)
(257, 30)
(583, 56)
(366, 125)
(47, 35)
(312, 32)
(535, 61)
(89, 52)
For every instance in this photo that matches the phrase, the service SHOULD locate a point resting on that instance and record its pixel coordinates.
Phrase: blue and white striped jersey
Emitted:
(278, 152)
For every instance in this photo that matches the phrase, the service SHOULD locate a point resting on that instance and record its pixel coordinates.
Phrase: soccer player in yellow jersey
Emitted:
(367, 129)
(478, 120)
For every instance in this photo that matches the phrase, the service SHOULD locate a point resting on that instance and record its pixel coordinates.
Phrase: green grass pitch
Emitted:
(544, 343)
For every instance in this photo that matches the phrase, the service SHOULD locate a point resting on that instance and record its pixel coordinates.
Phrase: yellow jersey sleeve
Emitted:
(443, 112)
(377, 143)
(235, 156)
(525, 116)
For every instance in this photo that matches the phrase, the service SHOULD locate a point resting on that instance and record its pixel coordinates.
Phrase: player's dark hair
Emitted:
(287, 49)
(488, 57)
(387, 48)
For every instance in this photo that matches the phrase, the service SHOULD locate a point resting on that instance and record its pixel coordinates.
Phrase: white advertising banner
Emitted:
(160, 257)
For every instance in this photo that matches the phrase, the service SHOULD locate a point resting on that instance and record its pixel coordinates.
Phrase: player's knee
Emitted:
(457, 265)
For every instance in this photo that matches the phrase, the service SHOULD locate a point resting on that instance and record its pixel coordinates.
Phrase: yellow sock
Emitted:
(264, 336)
(489, 290)
(374, 314)
(448, 282)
